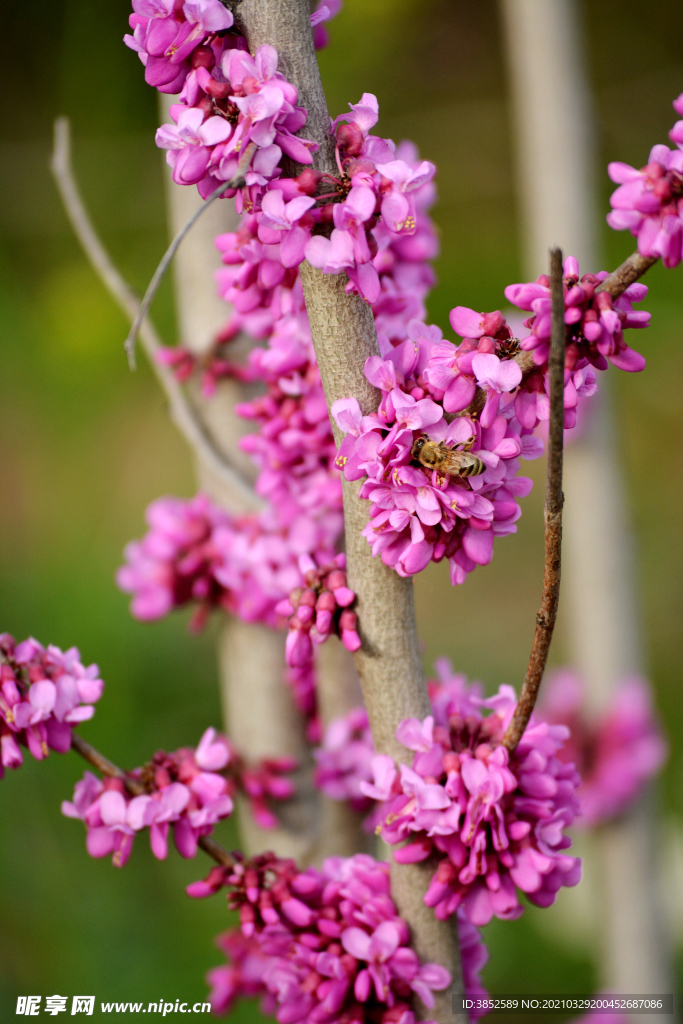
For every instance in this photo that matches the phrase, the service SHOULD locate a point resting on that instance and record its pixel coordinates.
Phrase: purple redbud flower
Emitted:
(314, 943)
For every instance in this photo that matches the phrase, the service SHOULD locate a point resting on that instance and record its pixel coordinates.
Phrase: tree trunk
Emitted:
(342, 326)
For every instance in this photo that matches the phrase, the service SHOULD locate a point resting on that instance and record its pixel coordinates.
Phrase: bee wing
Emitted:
(452, 461)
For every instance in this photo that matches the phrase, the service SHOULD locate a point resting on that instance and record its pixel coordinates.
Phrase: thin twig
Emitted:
(554, 498)
(237, 181)
(106, 767)
(629, 271)
(182, 412)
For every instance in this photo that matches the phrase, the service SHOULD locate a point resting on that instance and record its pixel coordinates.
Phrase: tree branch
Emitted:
(106, 767)
(629, 271)
(181, 410)
(554, 498)
(343, 330)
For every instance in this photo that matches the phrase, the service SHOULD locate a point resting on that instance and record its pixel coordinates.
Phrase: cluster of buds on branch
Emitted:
(319, 609)
(329, 944)
(44, 693)
(190, 790)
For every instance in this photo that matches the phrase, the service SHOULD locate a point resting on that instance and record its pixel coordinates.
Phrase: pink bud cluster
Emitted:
(44, 693)
(497, 823)
(318, 609)
(617, 753)
(334, 945)
(594, 322)
(194, 551)
(473, 397)
(649, 201)
(189, 790)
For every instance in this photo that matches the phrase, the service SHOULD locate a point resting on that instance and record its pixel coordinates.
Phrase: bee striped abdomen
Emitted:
(475, 468)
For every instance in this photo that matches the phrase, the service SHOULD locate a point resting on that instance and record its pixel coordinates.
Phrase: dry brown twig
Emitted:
(181, 410)
(106, 767)
(545, 620)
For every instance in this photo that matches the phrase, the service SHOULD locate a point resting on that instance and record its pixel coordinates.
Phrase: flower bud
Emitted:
(344, 597)
(308, 181)
(203, 57)
(350, 137)
(348, 620)
(323, 622)
(336, 579)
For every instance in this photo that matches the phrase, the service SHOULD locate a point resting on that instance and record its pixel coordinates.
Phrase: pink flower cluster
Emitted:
(595, 325)
(44, 693)
(318, 609)
(174, 563)
(418, 515)
(171, 37)
(616, 754)
(472, 398)
(194, 551)
(649, 201)
(189, 790)
(329, 943)
(374, 181)
(227, 98)
(344, 758)
(294, 448)
(497, 823)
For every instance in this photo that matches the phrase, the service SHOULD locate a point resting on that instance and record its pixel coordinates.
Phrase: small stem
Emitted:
(106, 767)
(237, 181)
(554, 498)
(629, 271)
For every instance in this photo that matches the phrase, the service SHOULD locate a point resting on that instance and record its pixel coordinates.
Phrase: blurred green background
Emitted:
(85, 445)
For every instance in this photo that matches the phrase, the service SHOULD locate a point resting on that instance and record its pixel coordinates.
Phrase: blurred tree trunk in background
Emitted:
(258, 709)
